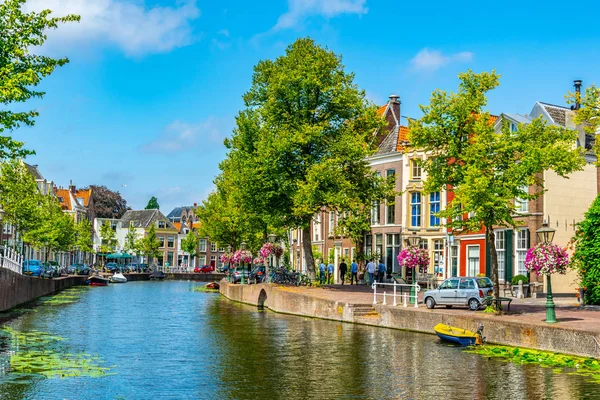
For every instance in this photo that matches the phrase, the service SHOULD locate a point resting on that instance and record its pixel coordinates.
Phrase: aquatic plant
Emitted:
(204, 289)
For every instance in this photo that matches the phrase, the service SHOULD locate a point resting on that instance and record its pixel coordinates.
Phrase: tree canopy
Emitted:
(486, 170)
(149, 245)
(108, 203)
(586, 256)
(21, 71)
(152, 204)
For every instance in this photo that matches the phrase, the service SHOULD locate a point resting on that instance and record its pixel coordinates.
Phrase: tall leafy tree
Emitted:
(305, 131)
(149, 245)
(152, 204)
(108, 238)
(586, 256)
(19, 196)
(486, 170)
(189, 244)
(83, 236)
(131, 240)
(21, 71)
(108, 203)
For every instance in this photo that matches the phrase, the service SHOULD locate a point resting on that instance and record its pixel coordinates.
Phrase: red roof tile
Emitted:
(64, 198)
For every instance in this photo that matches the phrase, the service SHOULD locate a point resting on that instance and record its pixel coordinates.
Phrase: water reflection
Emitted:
(169, 342)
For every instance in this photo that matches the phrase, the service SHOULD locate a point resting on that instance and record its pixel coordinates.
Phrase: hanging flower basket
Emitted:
(258, 260)
(413, 258)
(546, 259)
(270, 248)
(243, 256)
(226, 258)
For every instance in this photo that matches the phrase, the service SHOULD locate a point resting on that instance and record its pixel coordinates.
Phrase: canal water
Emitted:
(163, 340)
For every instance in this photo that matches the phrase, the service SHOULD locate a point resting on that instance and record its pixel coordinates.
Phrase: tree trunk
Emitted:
(307, 248)
(491, 245)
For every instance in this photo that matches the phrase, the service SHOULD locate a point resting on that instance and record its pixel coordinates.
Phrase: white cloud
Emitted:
(182, 136)
(432, 60)
(132, 26)
(300, 9)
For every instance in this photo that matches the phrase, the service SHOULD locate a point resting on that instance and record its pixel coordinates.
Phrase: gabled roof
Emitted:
(388, 144)
(33, 169)
(175, 213)
(144, 218)
(64, 198)
(402, 138)
(558, 114)
(86, 195)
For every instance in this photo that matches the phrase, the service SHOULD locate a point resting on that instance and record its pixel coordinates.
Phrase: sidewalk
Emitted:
(529, 310)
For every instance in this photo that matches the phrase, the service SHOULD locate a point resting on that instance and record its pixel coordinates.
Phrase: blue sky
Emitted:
(154, 85)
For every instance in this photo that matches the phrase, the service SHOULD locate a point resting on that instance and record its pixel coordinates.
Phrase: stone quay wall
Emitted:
(547, 337)
(16, 289)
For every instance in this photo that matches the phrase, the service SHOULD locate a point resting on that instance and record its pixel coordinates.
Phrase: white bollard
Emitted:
(384, 300)
(395, 294)
(416, 298)
(374, 294)
(405, 300)
(520, 294)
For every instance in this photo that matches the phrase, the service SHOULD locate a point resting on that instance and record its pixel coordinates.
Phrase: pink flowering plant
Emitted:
(546, 259)
(414, 258)
(271, 248)
(226, 258)
(243, 256)
(259, 260)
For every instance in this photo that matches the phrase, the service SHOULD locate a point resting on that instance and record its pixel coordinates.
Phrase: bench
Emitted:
(489, 300)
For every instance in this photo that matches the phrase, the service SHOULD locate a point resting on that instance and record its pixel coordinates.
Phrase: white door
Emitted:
(472, 260)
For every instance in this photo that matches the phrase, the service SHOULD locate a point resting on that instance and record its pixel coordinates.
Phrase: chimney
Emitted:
(72, 187)
(577, 84)
(395, 103)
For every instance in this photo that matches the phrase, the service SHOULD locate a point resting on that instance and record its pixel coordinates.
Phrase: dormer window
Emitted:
(80, 201)
(60, 199)
(513, 127)
(161, 224)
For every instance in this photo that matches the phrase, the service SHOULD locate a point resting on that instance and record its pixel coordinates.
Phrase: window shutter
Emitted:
(509, 253)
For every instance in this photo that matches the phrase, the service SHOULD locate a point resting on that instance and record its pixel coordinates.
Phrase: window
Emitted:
(161, 224)
(513, 127)
(213, 246)
(378, 246)
(391, 213)
(473, 260)
(438, 257)
(317, 227)
(466, 284)
(454, 261)
(368, 245)
(415, 169)
(170, 241)
(331, 222)
(170, 258)
(415, 209)
(375, 211)
(522, 247)
(522, 205)
(221, 250)
(161, 239)
(434, 208)
(113, 225)
(203, 245)
(392, 250)
(390, 173)
(80, 201)
(450, 284)
(213, 261)
(202, 260)
(501, 252)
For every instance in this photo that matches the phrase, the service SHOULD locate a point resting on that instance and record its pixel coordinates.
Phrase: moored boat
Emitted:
(212, 285)
(97, 280)
(458, 336)
(157, 276)
(118, 278)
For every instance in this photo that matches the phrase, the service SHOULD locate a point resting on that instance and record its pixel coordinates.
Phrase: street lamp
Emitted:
(272, 237)
(414, 240)
(243, 247)
(2, 229)
(229, 263)
(545, 235)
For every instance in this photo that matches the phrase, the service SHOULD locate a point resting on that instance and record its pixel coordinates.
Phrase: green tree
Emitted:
(108, 238)
(189, 244)
(486, 170)
(131, 241)
(152, 204)
(586, 257)
(19, 196)
(20, 70)
(83, 236)
(305, 134)
(149, 245)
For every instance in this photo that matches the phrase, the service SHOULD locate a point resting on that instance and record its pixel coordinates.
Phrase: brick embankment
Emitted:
(200, 277)
(16, 289)
(578, 331)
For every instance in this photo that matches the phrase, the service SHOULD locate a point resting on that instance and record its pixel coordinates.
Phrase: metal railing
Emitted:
(411, 296)
(12, 260)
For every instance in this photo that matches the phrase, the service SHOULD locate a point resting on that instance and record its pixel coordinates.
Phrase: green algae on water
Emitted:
(587, 366)
(204, 289)
(36, 354)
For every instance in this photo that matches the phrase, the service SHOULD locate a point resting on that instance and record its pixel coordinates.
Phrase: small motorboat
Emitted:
(157, 276)
(459, 336)
(97, 280)
(212, 285)
(118, 278)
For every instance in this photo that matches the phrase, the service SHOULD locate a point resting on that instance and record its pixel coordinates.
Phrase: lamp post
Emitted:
(229, 263)
(243, 247)
(545, 235)
(413, 240)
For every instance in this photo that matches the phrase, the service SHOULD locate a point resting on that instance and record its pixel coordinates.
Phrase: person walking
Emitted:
(371, 271)
(354, 271)
(381, 270)
(330, 269)
(322, 272)
(343, 269)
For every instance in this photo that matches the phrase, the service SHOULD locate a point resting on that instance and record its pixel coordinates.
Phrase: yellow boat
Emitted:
(459, 336)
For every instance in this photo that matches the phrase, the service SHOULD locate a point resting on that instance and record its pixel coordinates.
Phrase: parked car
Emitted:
(204, 269)
(111, 267)
(257, 274)
(237, 275)
(32, 267)
(143, 267)
(78, 269)
(463, 291)
(58, 269)
(49, 270)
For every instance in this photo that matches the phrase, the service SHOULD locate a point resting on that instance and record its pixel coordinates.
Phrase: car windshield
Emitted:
(484, 283)
(33, 263)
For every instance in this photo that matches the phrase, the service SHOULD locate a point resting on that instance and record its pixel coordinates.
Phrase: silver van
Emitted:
(464, 291)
